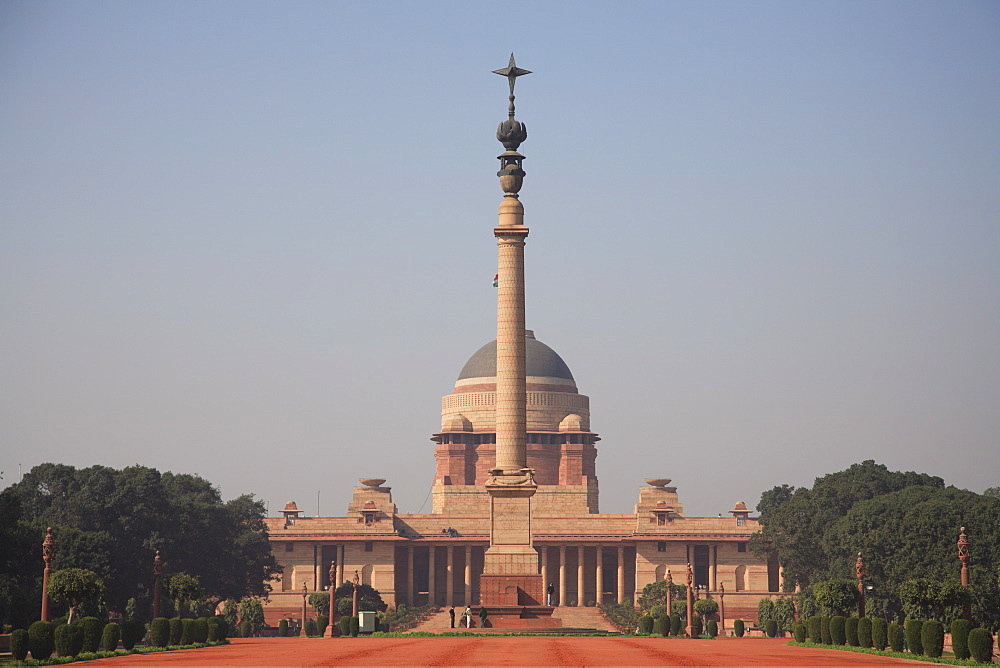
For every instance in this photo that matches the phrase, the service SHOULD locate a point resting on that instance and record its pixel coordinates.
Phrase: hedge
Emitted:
(69, 639)
(109, 637)
(838, 634)
(187, 632)
(824, 630)
(879, 633)
(246, 629)
(19, 644)
(176, 630)
(159, 632)
(895, 636)
(913, 642)
(865, 632)
(739, 628)
(41, 640)
(646, 624)
(932, 638)
(224, 629)
(713, 628)
(695, 625)
(799, 631)
(132, 631)
(981, 645)
(199, 630)
(92, 628)
(960, 638)
(812, 627)
(770, 628)
(675, 625)
(355, 626)
(283, 628)
(322, 621)
(851, 631)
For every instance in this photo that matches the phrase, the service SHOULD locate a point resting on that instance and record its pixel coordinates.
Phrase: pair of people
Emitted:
(483, 615)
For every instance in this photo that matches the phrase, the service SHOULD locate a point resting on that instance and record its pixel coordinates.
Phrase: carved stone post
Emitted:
(722, 609)
(964, 552)
(157, 574)
(690, 601)
(305, 595)
(48, 553)
(354, 596)
(669, 593)
(331, 627)
(859, 569)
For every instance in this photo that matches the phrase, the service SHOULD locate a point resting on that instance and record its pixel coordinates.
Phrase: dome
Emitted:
(540, 361)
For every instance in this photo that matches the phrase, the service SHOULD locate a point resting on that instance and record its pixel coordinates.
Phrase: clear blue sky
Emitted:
(253, 240)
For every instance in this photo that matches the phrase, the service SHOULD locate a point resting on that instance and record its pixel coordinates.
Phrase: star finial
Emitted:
(512, 72)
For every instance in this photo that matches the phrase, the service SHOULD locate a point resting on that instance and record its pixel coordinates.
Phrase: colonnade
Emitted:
(589, 573)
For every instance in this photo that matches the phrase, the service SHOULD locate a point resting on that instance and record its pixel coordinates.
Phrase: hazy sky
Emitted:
(253, 240)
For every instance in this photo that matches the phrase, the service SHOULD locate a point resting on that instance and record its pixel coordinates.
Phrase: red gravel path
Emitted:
(503, 651)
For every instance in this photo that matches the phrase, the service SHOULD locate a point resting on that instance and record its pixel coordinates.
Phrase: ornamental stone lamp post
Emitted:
(964, 552)
(354, 596)
(305, 594)
(328, 633)
(157, 574)
(690, 601)
(722, 608)
(48, 553)
(859, 569)
(670, 592)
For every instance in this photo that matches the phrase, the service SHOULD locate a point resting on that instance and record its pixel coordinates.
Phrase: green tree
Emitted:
(368, 597)
(836, 597)
(76, 586)
(183, 589)
(655, 593)
(320, 602)
(252, 613)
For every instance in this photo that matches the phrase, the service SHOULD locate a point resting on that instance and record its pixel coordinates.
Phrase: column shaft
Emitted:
(511, 392)
(713, 584)
(340, 564)
(621, 574)
(411, 589)
(545, 565)
(599, 577)
(449, 585)
(468, 576)
(581, 579)
(431, 573)
(562, 575)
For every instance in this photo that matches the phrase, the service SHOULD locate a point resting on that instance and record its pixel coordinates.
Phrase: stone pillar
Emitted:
(722, 610)
(468, 576)
(48, 552)
(157, 574)
(431, 576)
(859, 569)
(544, 565)
(340, 564)
(621, 574)
(449, 585)
(581, 579)
(964, 552)
(599, 577)
(690, 601)
(713, 568)
(411, 589)
(562, 576)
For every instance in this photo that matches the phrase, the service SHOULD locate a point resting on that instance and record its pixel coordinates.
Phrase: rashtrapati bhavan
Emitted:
(515, 490)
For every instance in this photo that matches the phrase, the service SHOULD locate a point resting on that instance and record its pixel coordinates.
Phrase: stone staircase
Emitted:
(563, 620)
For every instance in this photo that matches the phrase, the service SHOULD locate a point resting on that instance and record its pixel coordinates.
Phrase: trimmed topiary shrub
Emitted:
(322, 622)
(19, 644)
(799, 631)
(770, 628)
(159, 632)
(851, 631)
(879, 633)
(960, 638)
(176, 630)
(246, 629)
(224, 627)
(675, 625)
(812, 629)
(355, 626)
(646, 624)
(41, 640)
(981, 645)
(92, 629)
(213, 629)
(199, 630)
(824, 630)
(894, 634)
(187, 632)
(109, 637)
(838, 633)
(68, 639)
(913, 642)
(344, 625)
(932, 638)
(739, 628)
(310, 628)
(712, 628)
(132, 631)
(865, 632)
(283, 628)
(695, 625)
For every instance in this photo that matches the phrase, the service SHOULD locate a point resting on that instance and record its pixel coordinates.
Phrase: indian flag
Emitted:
(496, 281)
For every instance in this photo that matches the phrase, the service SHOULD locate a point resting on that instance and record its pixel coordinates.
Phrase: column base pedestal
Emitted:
(511, 590)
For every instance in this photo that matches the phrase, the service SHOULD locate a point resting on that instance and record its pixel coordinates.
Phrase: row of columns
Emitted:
(581, 574)
(432, 574)
(318, 567)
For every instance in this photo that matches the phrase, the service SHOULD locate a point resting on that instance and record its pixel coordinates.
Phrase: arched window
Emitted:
(367, 575)
(741, 578)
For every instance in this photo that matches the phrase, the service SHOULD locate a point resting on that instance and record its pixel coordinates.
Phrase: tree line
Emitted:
(112, 521)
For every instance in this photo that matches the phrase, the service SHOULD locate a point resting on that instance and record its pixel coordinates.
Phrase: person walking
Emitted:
(550, 591)
(482, 617)
(451, 613)
(468, 618)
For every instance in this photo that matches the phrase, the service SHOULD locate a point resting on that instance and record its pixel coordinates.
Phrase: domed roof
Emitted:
(540, 360)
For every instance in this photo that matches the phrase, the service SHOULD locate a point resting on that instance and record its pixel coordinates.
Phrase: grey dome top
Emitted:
(540, 360)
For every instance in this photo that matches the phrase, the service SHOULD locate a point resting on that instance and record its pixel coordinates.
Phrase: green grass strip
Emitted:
(889, 653)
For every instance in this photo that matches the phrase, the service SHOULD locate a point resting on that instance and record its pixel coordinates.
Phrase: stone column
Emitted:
(722, 610)
(544, 565)
(48, 552)
(449, 585)
(599, 576)
(964, 552)
(468, 576)
(157, 574)
(562, 576)
(712, 568)
(411, 589)
(581, 578)
(431, 573)
(340, 564)
(621, 574)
